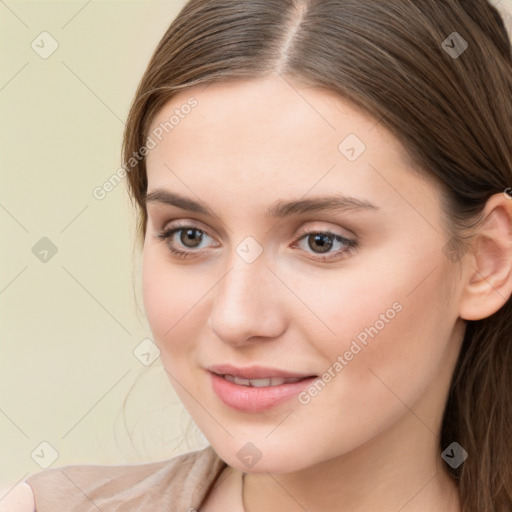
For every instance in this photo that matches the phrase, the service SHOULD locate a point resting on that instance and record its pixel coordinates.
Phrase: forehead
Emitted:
(265, 116)
(259, 136)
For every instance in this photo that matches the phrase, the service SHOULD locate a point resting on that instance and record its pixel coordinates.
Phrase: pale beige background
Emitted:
(70, 325)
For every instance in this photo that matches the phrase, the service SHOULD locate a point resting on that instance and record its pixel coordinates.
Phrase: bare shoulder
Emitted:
(17, 499)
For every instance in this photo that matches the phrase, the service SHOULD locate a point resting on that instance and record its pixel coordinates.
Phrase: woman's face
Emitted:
(359, 298)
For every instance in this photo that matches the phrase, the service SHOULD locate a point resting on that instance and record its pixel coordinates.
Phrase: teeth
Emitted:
(241, 382)
(261, 383)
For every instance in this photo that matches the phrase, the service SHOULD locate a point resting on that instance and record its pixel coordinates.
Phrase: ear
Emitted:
(489, 273)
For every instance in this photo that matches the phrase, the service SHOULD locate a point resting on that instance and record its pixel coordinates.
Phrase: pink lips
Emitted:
(246, 398)
(254, 372)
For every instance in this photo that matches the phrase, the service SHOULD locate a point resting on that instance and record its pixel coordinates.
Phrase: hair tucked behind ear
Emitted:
(452, 112)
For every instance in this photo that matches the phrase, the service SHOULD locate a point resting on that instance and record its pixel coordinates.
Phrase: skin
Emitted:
(369, 440)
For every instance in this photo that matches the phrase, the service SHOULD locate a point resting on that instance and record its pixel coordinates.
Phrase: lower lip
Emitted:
(252, 399)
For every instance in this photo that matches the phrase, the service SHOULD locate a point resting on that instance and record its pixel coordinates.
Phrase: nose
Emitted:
(248, 304)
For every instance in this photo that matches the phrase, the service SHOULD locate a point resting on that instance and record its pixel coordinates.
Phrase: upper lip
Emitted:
(255, 372)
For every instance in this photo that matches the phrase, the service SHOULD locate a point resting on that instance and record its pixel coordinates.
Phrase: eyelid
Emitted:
(186, 223)
(346, 233)
(162, 218)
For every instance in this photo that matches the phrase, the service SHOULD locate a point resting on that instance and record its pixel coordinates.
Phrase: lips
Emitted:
(255, 389)
(257, 372)
(261, 383)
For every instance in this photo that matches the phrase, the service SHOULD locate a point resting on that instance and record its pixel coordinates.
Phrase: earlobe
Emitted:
(489, 275)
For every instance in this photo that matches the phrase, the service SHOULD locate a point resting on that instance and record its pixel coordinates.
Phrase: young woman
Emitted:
(326, 226)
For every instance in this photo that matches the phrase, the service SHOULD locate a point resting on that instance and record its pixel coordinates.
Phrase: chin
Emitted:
(261, 457)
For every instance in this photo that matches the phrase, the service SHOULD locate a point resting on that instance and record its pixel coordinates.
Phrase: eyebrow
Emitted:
(279, 209)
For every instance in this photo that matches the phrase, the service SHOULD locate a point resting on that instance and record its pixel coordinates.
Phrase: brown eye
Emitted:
(321, 241)
(189, 237)
(187, 245)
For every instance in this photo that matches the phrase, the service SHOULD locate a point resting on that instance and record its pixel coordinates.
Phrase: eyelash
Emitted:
(350, 245)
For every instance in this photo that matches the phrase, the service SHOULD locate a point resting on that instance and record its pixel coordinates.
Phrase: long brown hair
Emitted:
(438, 75)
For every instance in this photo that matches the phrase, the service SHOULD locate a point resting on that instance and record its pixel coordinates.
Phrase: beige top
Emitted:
(179, 484)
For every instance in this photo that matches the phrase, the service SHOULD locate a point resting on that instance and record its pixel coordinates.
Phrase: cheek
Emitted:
(389, 347)
(156, 287)
(391, 321)
(172, 297)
